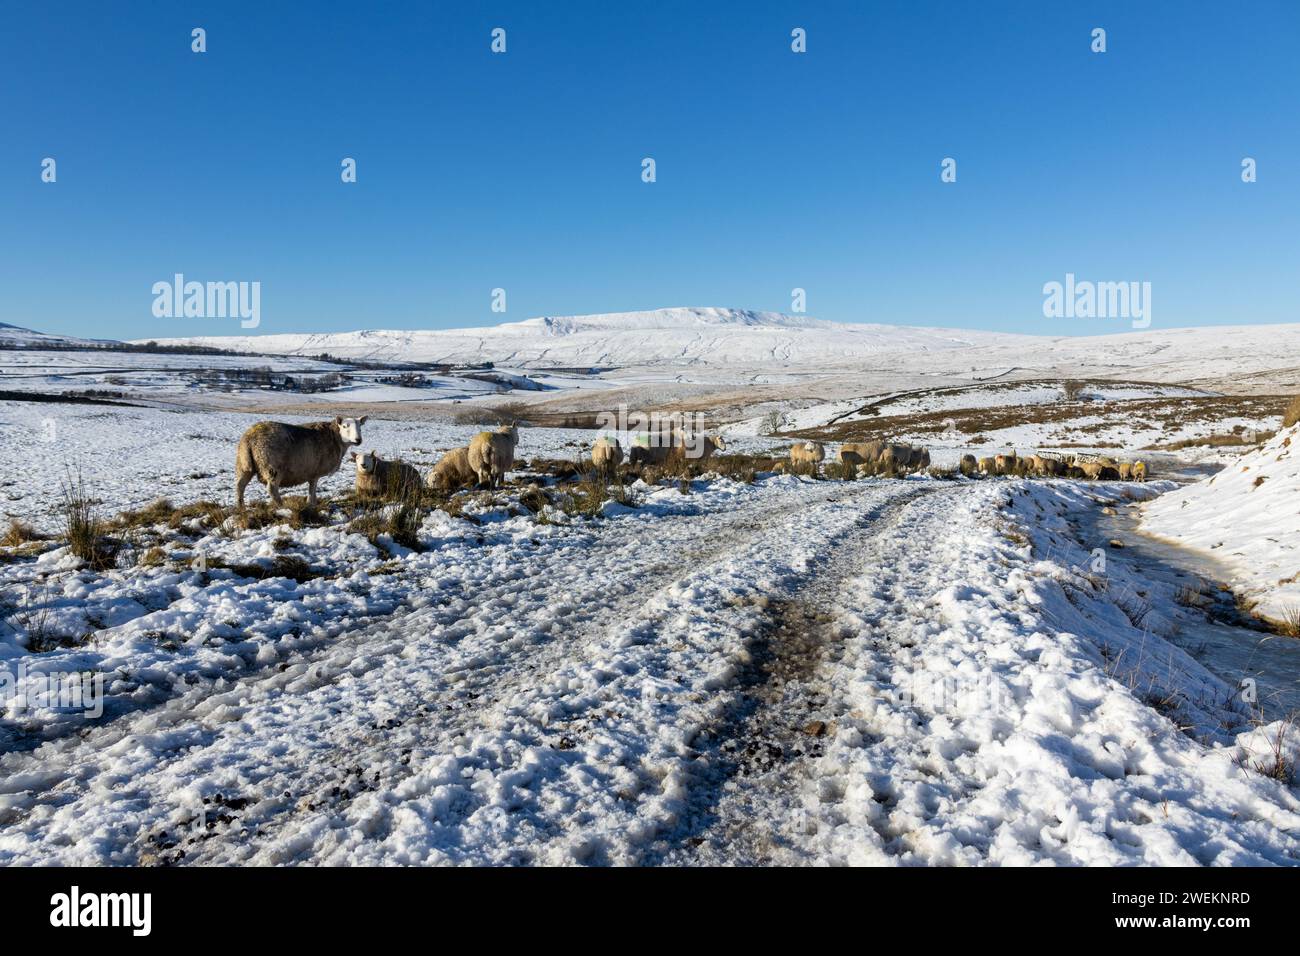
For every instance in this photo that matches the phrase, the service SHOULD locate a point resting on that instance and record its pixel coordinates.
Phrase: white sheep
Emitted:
(492, 454)
(281, 456)
(380, 478)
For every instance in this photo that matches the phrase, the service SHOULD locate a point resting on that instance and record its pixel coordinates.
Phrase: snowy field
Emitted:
(130, 457)
(913, 671)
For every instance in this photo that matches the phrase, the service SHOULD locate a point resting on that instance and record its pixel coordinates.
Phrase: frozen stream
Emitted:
(1227, 643)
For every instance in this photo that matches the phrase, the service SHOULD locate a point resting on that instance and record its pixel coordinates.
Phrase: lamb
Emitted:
(808, 453)
(281, 455)
(451, 472)
(606, 454)
(380, 478)
(491, 454)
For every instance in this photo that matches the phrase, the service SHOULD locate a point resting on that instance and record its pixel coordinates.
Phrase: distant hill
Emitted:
(14, 336)
(687, 336)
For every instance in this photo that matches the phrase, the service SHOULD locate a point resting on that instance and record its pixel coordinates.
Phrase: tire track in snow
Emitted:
(483, 695)
(208, 716)
(481, 687)
(747, 813)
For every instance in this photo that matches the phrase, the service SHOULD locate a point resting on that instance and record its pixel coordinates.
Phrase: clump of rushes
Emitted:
(82, 526)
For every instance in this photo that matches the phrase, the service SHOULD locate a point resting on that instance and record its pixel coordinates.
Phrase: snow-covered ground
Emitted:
(791, 671)
(130, 457)
(915, 671)
(1247, 515)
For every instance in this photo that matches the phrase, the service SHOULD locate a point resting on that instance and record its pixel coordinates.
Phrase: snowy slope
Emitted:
(678, 336)
(13, 336)
(1247, 515)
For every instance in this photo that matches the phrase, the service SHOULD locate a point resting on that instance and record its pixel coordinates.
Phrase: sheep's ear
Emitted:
(338, 419)
(362, 419)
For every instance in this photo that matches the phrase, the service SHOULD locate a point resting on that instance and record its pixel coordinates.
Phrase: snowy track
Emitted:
(316, 732)
(788, 672)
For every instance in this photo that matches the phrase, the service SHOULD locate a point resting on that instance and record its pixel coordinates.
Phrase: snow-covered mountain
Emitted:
(14, 336)
(686, 336)
(743, 346)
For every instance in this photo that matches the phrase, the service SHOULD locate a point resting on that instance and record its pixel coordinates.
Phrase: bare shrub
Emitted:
(511, 413)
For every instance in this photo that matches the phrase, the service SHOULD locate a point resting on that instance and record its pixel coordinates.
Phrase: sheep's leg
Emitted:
(240, 484)
(274, 490)
(311, 493)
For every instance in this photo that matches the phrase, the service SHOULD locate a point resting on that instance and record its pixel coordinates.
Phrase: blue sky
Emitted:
(523, 171)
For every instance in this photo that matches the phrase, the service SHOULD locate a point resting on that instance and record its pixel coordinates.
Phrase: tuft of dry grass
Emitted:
(1276, 763)
(534, 499)
(841, 470)
(588, 497)
(281, 566)
(83, 528)
(1290, 622)
(20, 533)
(400, 521)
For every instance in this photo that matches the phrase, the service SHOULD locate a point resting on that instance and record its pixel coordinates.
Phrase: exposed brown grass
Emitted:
(19, 533)
(1290, 621)
(1218, 440)
(1291, 414)
(83, 528)
(281, 566)
(1167, 414)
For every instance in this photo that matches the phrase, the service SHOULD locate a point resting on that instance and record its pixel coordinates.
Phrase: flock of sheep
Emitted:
(281, 456)
(884, 456)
